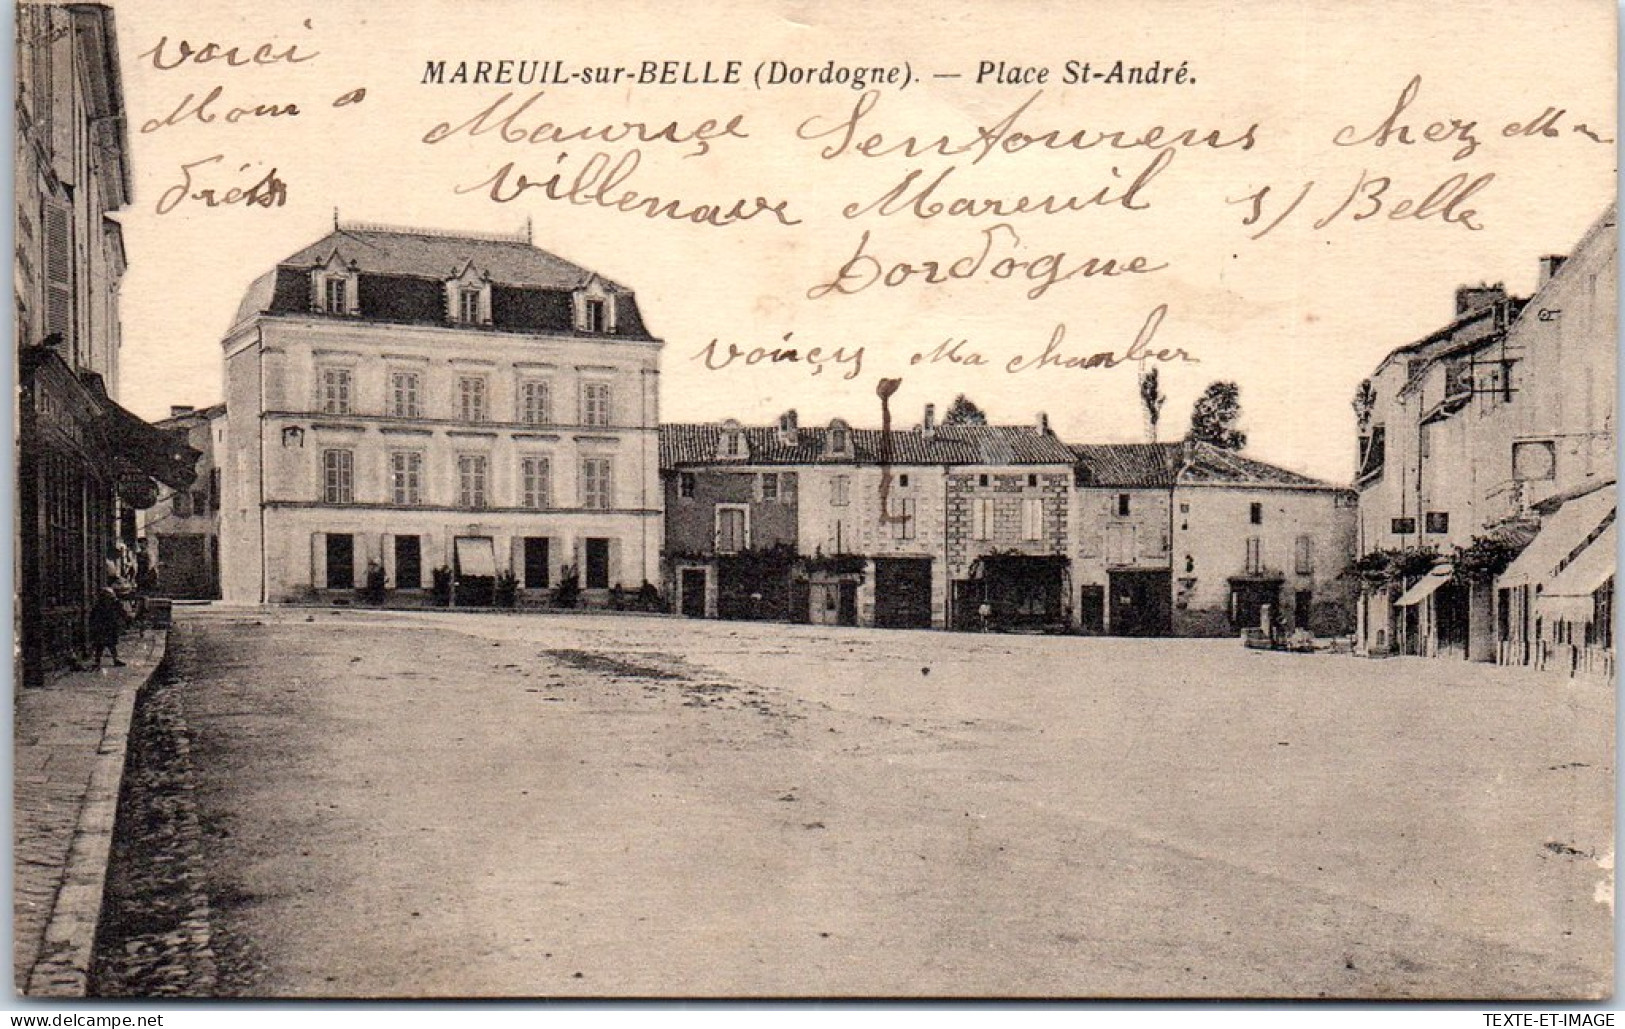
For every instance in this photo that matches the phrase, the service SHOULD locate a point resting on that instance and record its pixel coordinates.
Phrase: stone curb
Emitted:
(63, 966)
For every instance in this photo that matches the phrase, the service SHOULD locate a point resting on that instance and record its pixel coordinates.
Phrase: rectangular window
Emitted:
(408, 563)
(595, 403)
(338, 476)
(535, 402)
(338, 295)
(1122, 505)
(468, 306)
(181, 504)
(335, 391)
(902, 480)
(597, 316)
(840, 490)
(1437, 522)
(214, 489)
(770, 486)
(406, 477)
(404, 390)
(982, 519)
(1255, 555)
(1255, 513)
(903, 520)
(1032, 518)
(536, 568)
(471, 480)
(1304, 558)
(536, 483)
(471, 398)
(733, 529)
(1402, 526)
(595, 483)
(685, 484)
(1032, 480)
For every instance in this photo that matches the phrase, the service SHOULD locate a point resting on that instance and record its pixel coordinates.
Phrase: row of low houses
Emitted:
(953, 526)
(85, 464)
(1487, 475)
(410, 410)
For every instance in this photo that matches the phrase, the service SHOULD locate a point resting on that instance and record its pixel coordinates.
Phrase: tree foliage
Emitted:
(963, 411)
(1364, 402)
(1214, 417)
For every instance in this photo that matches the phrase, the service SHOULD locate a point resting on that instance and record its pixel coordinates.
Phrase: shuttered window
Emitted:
(1032, 518)
(59, 273)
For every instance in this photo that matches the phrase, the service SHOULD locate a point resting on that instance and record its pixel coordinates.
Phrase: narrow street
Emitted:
(434, 804)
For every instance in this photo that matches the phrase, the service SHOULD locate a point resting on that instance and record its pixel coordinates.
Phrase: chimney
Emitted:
(929, 427)
(177, 410)
(1549, 266)
(789, 433)
(1043, 424)
(1476, 298)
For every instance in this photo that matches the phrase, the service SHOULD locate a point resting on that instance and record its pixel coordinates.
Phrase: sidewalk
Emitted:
(69, 739)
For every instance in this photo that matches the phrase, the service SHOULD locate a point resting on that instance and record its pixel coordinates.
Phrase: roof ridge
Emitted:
(522, 237)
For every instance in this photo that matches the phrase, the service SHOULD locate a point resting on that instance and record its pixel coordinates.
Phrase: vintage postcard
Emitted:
(766, 499)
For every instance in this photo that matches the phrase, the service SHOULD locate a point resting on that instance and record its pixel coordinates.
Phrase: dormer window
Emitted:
(595, 308)
(334, 287)
(468, 297)
(337, 296)
(839, 443)
(732, 445)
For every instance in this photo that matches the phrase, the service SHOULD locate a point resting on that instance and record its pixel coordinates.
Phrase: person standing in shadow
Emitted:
(106, 618)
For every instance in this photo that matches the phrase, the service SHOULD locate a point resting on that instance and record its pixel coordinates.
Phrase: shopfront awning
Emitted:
(1569, 596)
(476, 557)
(1560, 532)
(142, 448)
(1423, 588)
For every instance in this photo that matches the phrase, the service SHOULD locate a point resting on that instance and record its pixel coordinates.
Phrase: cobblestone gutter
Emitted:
(155, 937)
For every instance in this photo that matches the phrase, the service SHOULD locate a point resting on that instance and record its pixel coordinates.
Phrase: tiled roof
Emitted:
(696, 444)
(1161, 465)
(437, 256)
(1128, 465)
(1211, 464)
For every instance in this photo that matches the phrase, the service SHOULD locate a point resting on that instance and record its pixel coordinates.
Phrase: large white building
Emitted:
(419, 400)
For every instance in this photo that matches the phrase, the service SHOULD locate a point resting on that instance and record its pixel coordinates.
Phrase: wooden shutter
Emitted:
(318, 560)
(59, 273)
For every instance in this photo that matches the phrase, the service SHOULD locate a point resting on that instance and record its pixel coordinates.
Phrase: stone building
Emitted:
(911, 528)
(1432, 404)
(1188, 539)
(84, 463)
(181, 533)
(1555, 603)
(1478, 437)
(407, 401)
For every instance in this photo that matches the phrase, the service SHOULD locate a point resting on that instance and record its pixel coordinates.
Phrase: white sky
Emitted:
(1296, 318)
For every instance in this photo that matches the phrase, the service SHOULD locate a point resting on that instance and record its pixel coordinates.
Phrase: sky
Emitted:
(1296, 317)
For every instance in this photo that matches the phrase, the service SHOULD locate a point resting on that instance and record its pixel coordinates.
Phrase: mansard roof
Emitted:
(402, 272)
(442, 255)
(691, 445)
(1164, 465)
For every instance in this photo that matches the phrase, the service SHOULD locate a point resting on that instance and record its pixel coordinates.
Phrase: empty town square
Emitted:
(336, 802)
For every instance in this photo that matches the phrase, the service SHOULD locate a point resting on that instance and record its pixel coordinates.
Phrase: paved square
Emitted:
(451, 804)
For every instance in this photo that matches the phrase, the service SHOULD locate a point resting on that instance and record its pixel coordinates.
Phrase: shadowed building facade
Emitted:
(85, 464)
